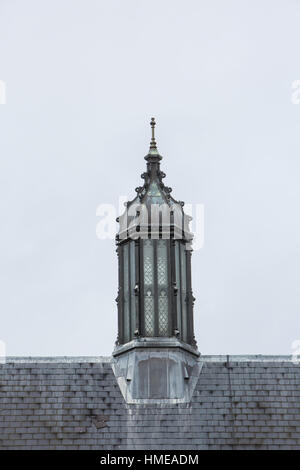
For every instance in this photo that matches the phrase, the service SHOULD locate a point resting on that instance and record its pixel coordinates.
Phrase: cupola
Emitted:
(155, 299)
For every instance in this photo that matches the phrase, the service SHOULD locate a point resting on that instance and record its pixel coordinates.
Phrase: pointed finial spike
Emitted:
(153, 152)
(152, 143)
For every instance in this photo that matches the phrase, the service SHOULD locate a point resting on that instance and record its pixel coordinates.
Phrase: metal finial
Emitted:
(152, 143)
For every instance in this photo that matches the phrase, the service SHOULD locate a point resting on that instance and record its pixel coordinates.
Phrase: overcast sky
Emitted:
(82, 80)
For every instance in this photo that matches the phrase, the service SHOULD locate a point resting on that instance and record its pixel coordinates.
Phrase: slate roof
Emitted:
(75, 403)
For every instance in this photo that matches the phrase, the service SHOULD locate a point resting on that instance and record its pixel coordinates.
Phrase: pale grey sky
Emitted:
(82, 80)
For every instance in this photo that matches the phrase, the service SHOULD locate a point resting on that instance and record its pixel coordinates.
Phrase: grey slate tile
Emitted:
(51, 405)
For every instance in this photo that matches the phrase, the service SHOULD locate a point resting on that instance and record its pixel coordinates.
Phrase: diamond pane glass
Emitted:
(148, 288)
(163, 322)
(149, 314)
(162, 267)
(162, 282)
(148, 262)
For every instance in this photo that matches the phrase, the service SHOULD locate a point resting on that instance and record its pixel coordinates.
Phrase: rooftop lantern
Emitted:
(155, 299)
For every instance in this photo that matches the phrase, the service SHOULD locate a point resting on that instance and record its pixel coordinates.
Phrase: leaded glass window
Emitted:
(149, 313)
(162, 282)
(163, 314)
(149, 288)
(156, 289)
(162, 259)
(150, 309)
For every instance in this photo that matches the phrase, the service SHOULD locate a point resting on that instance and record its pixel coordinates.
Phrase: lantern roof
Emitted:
(154, 201)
